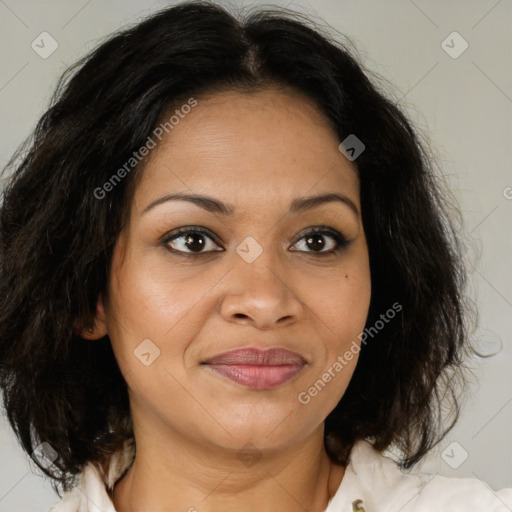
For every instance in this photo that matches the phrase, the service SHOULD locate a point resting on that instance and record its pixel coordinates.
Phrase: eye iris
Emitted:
(315, 242)
(199, 239)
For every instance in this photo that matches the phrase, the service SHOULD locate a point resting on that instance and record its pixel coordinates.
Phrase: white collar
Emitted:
(372, 482)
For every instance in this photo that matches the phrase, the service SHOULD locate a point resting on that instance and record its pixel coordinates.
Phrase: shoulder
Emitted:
(377, 480)
(95, 481)
(90, 495)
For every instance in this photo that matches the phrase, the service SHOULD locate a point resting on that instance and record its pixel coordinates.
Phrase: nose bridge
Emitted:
(259, 290)
(259, 266)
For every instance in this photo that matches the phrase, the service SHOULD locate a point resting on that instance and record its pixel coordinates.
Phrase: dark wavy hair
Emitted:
(57, 237)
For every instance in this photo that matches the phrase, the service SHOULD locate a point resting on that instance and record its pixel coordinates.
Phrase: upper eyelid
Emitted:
(183, 231)
(207, 231)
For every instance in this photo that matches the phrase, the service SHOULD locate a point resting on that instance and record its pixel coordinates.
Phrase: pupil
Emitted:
(194, 247)
(311, 242)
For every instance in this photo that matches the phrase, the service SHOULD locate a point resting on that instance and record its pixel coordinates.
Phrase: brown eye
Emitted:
(317, 240)
(190, 241)
(197, 241)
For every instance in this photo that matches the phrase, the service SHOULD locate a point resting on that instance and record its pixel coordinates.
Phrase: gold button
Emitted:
(357, 505)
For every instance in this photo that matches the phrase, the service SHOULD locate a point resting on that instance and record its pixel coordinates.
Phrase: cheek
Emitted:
(342, 313)
(354, 300)
(149, 301)
(341, 306)
(342, 301)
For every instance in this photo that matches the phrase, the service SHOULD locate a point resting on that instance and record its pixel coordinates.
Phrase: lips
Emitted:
(258, 369)
(253, 356)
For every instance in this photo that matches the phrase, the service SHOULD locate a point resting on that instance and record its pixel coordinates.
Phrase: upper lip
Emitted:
(255, 356)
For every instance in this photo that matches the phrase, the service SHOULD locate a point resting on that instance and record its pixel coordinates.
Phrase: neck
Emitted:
(180, 475)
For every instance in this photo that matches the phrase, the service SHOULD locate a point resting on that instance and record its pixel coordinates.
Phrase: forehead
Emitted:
(259, 148)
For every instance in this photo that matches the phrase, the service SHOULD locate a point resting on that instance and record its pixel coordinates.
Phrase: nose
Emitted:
(261, 294)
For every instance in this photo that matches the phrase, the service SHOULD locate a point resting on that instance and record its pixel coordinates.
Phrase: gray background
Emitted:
(464, 104)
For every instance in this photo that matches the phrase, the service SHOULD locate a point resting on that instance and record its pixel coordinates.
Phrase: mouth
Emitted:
(257, 369)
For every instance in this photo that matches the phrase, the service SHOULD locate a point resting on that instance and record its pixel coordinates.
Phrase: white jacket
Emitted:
(372, 483)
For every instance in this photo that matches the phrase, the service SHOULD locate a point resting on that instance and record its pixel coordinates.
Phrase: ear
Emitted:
(99, 329)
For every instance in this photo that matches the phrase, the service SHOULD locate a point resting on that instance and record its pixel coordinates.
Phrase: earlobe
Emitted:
(99, 329)
(91, 333)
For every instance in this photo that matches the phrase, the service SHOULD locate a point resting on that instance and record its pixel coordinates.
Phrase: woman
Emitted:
(230, 280)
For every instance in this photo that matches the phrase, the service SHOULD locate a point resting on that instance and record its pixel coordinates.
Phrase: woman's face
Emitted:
(257, 278)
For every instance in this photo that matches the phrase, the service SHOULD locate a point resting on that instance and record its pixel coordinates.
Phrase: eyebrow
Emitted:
(213, 205)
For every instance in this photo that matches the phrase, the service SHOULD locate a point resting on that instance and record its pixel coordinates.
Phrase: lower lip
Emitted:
(257, 376)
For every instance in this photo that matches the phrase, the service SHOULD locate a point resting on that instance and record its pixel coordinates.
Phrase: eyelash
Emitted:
(341, 241)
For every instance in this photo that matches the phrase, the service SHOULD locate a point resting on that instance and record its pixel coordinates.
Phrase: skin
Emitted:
(258, 152)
